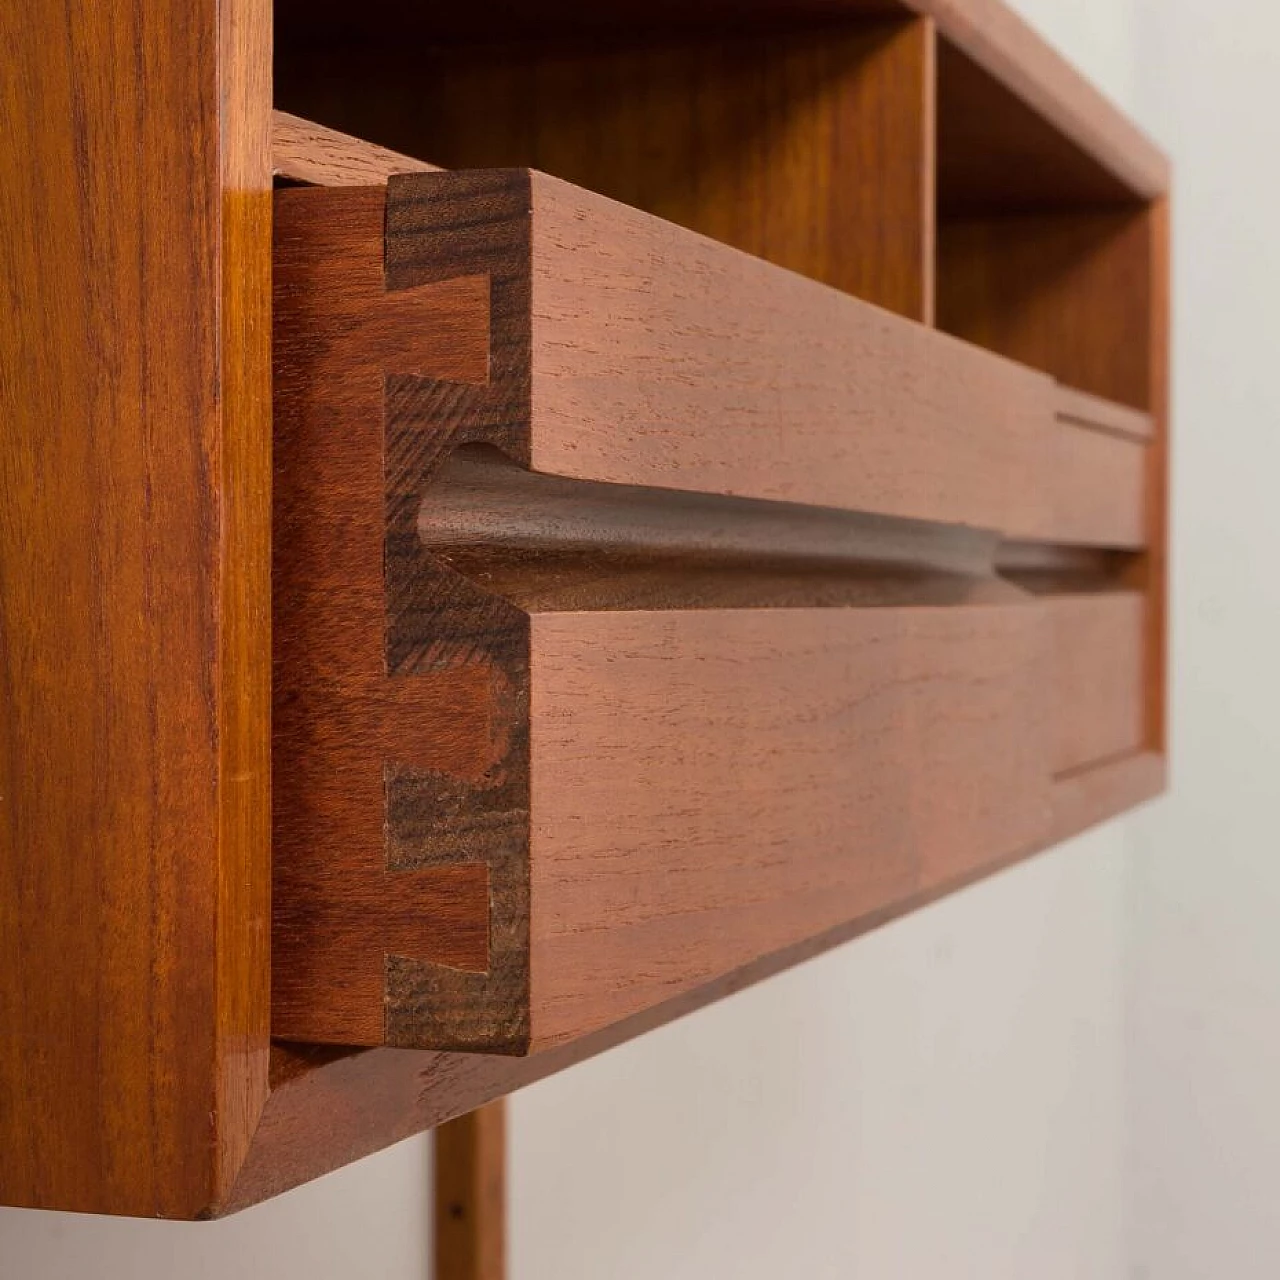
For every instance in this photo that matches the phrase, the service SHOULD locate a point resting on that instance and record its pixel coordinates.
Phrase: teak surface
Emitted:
(1020, 126)
(1069, 293)
(303, 152)
(722, 374)
(713, 786)
(331, 1106)
(134, 519)
(331, 760)
(1096, 675)
(134, 600)
(811, 149)
(683, 597)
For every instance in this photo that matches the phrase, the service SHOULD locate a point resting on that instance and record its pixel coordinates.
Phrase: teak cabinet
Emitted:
(456, 618)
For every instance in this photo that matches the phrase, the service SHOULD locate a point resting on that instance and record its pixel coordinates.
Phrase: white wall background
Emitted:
(1069, 1071)
(1204, 1032)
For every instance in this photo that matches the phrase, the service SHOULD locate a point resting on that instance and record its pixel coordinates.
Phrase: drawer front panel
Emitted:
(713, 786)
(1097, 674)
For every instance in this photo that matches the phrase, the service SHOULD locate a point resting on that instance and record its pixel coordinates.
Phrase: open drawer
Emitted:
(643, 609)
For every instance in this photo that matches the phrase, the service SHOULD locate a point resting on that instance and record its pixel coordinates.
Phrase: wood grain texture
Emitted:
(1096, 676)
(309, 153)
(811, 149)
(991, 35)
(1101, 143)
(877, 414)
(243, 381)
(1096, 488)
(714, 786)
(778, 388)
(1092, 308)
(134, 524)
(328, 1107)
(999, 154)
(133, 878)
(374, 727)
(469, 1182)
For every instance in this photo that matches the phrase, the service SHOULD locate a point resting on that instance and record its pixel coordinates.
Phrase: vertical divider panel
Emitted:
(928, 37)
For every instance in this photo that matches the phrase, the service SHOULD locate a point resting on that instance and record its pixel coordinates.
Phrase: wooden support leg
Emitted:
(470, 1196)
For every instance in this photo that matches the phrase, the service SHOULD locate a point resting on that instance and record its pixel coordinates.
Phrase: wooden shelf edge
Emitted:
(1095, 413)
(305, 152)
(1086, 797)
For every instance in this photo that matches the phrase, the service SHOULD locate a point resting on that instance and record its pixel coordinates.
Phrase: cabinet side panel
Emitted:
(244, 609)
(134, 491)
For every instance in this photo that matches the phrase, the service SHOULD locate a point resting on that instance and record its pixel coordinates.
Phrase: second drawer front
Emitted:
(711, 787)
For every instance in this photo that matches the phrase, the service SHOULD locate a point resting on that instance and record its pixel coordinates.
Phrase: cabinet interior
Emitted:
(868, 153)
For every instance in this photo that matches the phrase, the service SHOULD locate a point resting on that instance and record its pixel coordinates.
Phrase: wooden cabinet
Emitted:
(719, 510)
